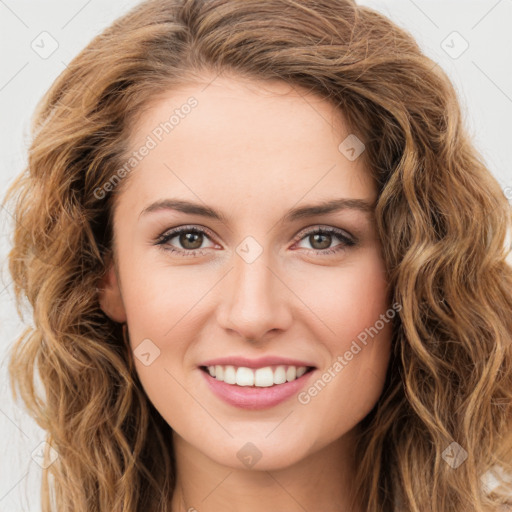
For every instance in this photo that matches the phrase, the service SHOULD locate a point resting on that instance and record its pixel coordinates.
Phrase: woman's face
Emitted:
(261, 280)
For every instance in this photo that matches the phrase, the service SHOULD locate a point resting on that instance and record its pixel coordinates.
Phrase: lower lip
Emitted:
(247, 397)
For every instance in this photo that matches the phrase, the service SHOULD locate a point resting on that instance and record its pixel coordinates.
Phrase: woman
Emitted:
(248, 370)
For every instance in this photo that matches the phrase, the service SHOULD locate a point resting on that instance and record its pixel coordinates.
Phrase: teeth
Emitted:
(291, 373)
(301, 371)
(244, 377)
(280, 375)
(261, 377)
(229, 375)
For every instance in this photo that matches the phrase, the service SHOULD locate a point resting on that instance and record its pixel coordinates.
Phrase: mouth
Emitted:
(264, 377)
(256, 388)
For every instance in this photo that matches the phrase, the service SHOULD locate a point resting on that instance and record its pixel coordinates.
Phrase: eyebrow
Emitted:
(325, 207)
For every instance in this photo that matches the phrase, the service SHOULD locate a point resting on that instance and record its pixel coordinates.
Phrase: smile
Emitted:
(256, 377)
(259, 388)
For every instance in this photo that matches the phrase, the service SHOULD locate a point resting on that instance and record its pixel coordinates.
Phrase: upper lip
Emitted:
(256, 363)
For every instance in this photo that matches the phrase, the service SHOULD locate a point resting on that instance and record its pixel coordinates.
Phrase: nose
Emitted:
(255, 300)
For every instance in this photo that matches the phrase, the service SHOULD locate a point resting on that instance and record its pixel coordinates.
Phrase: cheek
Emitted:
(364, 299)
(161, 320)
(355, 306)
(347, 299)
(162, 301)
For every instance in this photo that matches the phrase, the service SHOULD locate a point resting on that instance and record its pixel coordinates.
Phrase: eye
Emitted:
(323, 237)
(190, 238)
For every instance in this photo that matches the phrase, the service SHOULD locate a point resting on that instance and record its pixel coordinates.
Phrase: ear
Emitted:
(109, 295)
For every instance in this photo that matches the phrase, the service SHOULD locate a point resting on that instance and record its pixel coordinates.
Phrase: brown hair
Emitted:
(441, 216)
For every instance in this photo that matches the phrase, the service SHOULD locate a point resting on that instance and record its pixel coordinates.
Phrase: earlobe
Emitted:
(110, 298)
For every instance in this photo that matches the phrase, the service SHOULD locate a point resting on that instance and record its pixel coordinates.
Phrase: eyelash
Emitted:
(163, 239)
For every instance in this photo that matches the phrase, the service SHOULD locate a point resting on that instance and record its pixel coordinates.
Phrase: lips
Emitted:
(256, 383)
(256, 398)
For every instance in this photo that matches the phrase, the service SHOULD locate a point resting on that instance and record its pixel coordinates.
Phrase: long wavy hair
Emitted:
(442, 218)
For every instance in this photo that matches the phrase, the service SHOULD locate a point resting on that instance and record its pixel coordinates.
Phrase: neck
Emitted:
(324, 480)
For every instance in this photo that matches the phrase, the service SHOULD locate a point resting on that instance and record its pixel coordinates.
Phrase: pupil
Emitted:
(326, 243)
(187, 238)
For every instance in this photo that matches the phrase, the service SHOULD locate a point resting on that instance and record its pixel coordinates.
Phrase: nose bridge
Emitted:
(252, 298)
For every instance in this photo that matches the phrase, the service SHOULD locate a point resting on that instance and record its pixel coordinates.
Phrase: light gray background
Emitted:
(482, 76)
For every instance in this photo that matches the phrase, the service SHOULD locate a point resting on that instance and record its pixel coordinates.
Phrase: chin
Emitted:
(259, 455)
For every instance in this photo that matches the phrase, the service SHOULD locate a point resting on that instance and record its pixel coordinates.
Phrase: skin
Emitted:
(253, 151)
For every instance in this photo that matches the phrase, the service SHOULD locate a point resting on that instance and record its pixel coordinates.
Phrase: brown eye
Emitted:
(320, 241)
(191, 240)
(186, 241)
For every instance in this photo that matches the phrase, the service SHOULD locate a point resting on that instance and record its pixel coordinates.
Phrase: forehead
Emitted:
(244, 139)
